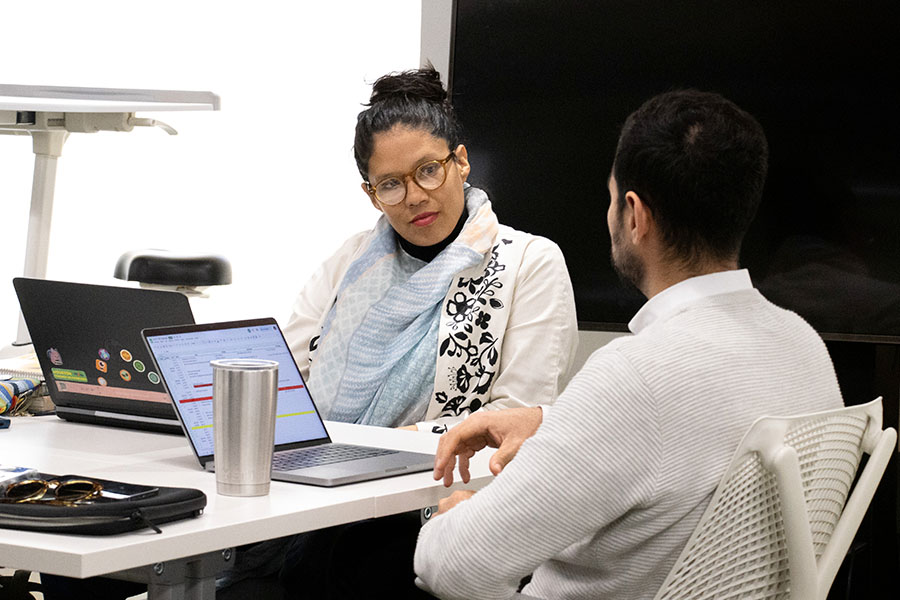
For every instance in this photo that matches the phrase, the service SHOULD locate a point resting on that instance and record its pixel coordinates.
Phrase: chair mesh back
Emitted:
(739, 549)
(829, 451)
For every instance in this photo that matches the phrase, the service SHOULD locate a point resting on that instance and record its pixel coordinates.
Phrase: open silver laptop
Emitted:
(304, 452)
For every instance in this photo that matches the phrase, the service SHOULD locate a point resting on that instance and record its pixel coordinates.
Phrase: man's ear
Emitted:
(370, 196)
(641, 219)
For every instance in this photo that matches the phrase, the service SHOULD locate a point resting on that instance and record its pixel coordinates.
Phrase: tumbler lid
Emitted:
(244, 364)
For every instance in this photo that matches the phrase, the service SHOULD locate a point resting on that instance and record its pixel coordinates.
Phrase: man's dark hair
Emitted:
(416, 99)
(699, 163)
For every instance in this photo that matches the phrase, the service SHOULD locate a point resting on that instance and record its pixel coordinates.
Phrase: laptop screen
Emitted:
(182, 355)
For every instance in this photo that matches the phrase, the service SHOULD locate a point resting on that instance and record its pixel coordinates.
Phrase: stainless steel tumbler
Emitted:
(245, 397)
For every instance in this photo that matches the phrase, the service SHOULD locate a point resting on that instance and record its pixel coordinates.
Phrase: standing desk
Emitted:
(183, 560)
(49, 114)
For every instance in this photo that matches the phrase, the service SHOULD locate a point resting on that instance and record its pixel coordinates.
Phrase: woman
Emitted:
(439, 310)
(435, 313)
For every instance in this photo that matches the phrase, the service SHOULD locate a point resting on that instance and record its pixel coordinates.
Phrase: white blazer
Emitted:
(507, 335)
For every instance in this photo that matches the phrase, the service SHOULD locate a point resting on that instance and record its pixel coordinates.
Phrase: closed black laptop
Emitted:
(88, 341)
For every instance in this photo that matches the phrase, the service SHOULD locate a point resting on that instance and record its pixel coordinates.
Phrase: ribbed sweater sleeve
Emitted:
(560, 489)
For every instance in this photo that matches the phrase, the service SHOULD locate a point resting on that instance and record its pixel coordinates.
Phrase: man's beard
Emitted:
(627, 265)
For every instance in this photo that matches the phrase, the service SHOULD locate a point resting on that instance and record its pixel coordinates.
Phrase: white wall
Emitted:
(269, 181)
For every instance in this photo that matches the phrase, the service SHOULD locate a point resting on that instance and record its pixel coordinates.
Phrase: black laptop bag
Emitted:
(107, 518)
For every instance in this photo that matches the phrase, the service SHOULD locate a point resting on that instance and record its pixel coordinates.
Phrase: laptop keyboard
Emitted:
(323, 455)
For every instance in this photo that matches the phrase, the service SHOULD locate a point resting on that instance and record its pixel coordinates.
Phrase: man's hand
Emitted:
(453, 499)
(503, 429)
(409, 428)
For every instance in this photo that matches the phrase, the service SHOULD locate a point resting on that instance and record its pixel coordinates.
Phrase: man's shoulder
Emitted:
(753, 302)
(736, 305)
(615, 359)
(744, 318)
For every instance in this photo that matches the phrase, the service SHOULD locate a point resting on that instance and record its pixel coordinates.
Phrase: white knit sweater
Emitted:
(601, 500)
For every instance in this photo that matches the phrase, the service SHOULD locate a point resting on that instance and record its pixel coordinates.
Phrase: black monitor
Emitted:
(542, 89)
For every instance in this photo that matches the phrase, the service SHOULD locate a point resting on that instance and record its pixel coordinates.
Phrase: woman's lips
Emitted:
(425, 219)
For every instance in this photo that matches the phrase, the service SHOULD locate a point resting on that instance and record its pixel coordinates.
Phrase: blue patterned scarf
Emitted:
(375, 361)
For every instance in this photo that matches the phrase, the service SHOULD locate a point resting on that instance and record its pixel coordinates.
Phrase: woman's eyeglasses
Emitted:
(64, 492)
(429, 176)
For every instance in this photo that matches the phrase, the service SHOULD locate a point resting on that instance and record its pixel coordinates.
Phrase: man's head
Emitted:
(697, 163)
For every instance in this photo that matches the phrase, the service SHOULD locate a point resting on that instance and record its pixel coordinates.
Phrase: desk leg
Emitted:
(47, 146)
(191, 578)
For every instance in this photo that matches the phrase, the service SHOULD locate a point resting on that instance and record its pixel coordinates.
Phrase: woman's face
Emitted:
(424, 217)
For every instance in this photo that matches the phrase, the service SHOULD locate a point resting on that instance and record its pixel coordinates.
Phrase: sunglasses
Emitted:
(57, 492)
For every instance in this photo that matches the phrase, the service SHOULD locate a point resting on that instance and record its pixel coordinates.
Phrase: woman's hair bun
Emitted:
(424, 84)
(415, 99)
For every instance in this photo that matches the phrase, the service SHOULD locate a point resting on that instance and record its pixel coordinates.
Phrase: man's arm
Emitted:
(591, 461)
(504, 430)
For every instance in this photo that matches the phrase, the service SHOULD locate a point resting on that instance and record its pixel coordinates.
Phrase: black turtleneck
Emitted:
(427, 253)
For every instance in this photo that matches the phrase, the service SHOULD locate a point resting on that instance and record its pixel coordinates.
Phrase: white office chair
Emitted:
(780, 522)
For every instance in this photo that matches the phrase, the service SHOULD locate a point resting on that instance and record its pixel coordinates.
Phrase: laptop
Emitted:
(304, 452)
(87, 339)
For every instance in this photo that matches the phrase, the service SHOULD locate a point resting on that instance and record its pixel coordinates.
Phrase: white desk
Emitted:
(55, 446)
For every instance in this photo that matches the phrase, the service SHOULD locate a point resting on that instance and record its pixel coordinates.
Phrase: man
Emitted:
(608, 484)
